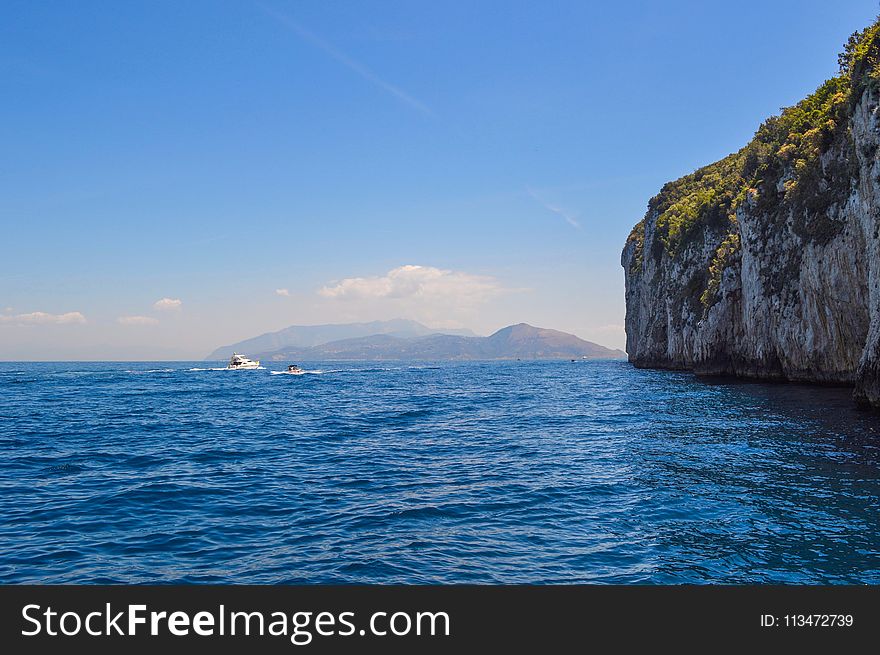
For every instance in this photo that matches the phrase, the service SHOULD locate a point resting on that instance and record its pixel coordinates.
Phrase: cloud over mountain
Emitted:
(415, 282)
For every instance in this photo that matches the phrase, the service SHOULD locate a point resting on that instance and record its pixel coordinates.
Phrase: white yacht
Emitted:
(241, 362)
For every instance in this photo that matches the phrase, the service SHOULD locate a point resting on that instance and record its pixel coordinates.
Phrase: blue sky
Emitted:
(269, 163)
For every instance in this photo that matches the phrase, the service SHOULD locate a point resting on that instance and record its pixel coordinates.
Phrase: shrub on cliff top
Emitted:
(860, 59)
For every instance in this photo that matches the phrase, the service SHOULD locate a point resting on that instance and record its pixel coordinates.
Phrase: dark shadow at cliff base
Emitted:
(831, 406)
(662, 365)
(855, 395)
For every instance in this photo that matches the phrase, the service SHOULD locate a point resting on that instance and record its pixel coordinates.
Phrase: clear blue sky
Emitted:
(250, 159)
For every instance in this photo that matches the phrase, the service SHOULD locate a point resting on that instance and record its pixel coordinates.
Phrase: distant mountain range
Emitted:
(520, 341)
(307, 336)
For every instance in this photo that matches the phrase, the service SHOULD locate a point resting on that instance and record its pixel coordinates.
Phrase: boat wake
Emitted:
(312, 372)
(225, 368)
(152, 370)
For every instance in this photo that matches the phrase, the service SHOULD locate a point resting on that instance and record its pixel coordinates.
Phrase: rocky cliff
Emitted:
(767, 263)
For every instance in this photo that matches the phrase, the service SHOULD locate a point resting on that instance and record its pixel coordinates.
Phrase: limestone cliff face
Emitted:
(767, 264)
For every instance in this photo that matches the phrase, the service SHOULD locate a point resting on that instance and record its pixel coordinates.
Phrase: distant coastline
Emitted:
(409, 340)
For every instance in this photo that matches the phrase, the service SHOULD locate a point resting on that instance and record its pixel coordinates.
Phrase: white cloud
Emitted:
(416, 282)
(137, 320)
(165, 304)
(282, 292)
(44, 318)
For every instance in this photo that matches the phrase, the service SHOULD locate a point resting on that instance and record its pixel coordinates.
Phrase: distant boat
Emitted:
(240, 362)
(293, 368)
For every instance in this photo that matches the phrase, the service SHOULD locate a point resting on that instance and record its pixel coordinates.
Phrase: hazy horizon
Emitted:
(207, 354)
(184, 176)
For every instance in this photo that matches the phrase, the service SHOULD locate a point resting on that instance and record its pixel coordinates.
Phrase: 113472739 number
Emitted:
(808, 621)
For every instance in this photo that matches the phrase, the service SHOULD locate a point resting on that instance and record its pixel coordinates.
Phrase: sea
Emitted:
(392, 472)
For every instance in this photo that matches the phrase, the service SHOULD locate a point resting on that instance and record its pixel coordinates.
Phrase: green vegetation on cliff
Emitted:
(728, 249)
(860, 59)
(708, 195)
(781, 170)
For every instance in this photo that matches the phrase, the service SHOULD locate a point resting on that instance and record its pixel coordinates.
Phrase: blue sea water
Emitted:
(511, 472)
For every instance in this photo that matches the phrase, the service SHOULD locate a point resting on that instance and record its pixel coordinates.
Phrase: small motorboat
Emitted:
(240, 362)
(292, 369)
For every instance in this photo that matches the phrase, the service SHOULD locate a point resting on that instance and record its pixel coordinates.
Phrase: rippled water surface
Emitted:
(479, 472)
